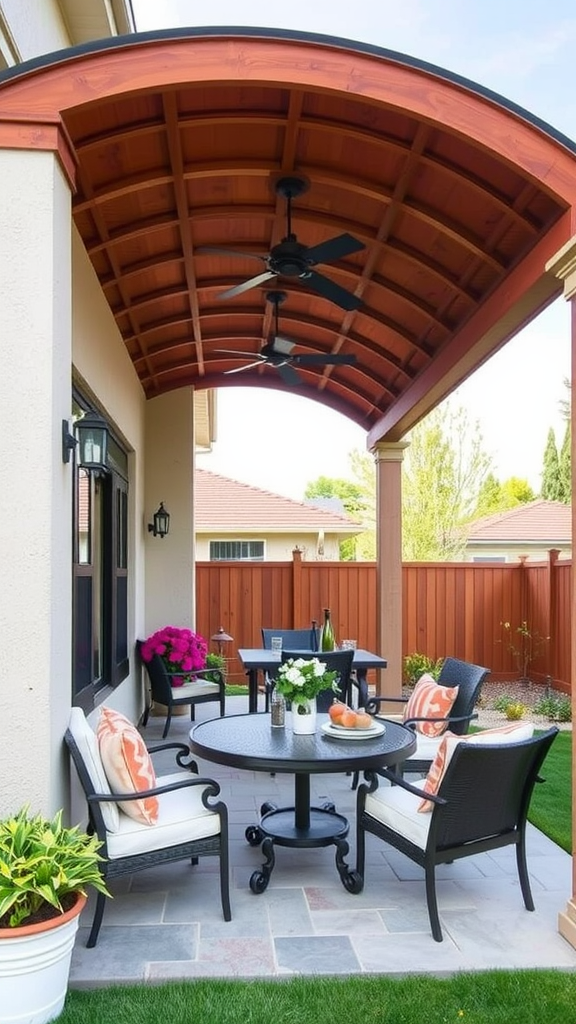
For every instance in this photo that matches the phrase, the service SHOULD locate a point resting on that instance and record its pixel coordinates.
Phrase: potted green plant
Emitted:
(45, 869)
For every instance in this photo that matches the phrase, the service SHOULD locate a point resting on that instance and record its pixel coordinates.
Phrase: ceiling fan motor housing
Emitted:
(287, 258)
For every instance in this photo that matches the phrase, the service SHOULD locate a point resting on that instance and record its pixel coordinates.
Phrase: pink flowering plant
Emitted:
(181, 650)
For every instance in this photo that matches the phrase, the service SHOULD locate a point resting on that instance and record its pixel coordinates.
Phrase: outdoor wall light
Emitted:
(161, 522)
(69, 442)
(92, 434)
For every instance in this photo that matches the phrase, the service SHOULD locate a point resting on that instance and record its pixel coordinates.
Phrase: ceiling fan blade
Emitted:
(240, 369)
(326, 360)
(216, 250)
(334, 249)
(289, 375)
(324, 286)
(246, 285)
(236, 352)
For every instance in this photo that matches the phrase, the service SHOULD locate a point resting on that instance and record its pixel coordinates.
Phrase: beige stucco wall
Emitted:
(35, 27)
(35, 485)
(512, 552)
(169, 478)
(278, 546)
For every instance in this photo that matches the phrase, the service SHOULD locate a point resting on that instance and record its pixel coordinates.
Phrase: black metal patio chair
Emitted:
(481, 804)
(207, 685)
(189, 825)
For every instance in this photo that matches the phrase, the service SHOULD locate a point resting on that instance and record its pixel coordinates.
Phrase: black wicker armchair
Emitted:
(482, 804)
(191, 823)
(207, 685)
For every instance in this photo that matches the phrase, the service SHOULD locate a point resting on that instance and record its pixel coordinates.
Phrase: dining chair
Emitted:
(481, 804)
(200, 690)
(304, 639)
(335, 661)
(469, 679)
(184, 821)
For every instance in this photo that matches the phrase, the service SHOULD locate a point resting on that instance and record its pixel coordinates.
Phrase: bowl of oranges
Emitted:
(345, 717)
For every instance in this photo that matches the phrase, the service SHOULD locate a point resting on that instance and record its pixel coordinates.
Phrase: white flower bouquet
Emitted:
(301, 679)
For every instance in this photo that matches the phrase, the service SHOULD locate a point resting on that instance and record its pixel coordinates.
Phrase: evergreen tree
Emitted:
(551, 471)
(565, 468)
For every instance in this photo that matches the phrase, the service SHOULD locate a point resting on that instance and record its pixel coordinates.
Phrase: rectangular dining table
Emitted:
(260, 659)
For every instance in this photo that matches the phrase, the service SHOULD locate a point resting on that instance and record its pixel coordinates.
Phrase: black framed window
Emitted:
(100, 575)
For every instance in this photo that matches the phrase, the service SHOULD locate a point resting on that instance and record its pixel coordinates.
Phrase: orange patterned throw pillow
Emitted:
(127, 764)
(430, 700)
(513, 733)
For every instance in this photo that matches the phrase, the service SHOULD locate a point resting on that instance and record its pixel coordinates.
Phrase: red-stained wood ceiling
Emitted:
(458, 198)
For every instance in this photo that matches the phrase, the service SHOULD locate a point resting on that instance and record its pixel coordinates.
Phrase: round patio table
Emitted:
(249, 742)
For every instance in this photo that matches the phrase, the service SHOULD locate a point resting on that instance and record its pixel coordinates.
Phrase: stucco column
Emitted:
(35, 484)
(388, 457)
(169, 477)
(563, 266)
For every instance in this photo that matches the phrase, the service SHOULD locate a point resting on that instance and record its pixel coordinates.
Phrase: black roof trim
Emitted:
(316, 38)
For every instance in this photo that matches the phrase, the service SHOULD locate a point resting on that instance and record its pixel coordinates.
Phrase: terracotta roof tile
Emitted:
(540, 521)
(222, 504)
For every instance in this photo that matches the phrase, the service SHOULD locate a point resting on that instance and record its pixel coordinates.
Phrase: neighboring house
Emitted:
(529, 531)
(237, 522)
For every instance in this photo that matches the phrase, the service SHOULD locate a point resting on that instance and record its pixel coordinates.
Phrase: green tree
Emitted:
(445, 468)
(498, 497)
(565, 468)
(551, 470)
(354, 500)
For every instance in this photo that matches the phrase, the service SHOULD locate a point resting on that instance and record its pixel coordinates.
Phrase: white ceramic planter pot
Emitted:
(304, 718)
(34, 968)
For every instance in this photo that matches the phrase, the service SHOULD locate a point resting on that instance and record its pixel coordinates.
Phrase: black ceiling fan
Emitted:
(277, 352)
(291, 258)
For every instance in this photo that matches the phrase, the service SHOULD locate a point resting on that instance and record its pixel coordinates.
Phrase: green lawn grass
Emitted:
(551, 804)
(235, 690)
(491, 997)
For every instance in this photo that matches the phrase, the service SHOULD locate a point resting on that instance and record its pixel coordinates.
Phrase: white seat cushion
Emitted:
(198, 689)
(181, 817)
(398, 809)
(87, 744)
(427, 748)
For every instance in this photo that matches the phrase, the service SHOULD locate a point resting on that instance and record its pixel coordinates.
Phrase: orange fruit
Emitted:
(348, 719)
(363, 720)
(336, 710)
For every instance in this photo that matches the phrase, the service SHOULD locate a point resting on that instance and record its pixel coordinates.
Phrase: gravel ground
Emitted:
(524, 693)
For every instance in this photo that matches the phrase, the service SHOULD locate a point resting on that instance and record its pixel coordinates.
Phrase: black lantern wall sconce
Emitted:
(161, 522)
(90, 440)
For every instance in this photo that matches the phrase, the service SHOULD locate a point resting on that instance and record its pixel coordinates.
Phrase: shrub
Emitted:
(555, 709)
(515, 710)
(214, 661)
(415, 665)
(524, 643)
(503, 702)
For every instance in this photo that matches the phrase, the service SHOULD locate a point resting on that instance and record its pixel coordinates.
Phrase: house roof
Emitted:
(229, 506)
(174, 141)
(537, 522)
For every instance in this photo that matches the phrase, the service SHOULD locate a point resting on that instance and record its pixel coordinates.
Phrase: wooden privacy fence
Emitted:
(448, 608)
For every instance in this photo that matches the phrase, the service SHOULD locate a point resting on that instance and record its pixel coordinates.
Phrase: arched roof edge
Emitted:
(142, 38)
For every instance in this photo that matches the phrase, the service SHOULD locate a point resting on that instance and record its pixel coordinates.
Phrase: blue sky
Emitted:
(522, 49)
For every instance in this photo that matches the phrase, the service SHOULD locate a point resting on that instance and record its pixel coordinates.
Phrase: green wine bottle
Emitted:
(327, 640)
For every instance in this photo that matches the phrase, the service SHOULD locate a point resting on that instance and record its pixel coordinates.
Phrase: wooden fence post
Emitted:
(552, 659)
(297, 616)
